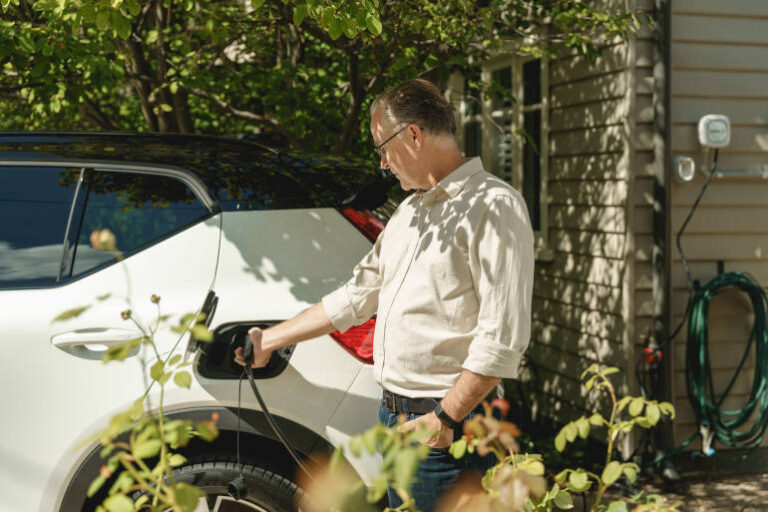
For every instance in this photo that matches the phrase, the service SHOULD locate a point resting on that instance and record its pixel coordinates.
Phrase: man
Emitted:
(450, 280)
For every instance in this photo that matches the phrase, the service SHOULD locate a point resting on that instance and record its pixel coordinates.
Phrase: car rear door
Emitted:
(56, 390)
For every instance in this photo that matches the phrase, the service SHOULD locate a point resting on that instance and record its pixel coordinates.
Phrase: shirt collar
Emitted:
(455, 181)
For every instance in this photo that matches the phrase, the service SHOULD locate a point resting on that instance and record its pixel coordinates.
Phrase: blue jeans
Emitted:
(440, 470)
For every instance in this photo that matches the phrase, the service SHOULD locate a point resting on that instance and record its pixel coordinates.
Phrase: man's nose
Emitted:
(383, 163)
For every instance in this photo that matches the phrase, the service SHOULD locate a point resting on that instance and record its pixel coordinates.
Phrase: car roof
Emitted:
(235, 171)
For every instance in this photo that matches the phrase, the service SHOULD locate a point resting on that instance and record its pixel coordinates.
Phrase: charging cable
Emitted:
(248, 358)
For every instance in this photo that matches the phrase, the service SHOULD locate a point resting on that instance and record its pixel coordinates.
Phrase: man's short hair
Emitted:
(417, 102)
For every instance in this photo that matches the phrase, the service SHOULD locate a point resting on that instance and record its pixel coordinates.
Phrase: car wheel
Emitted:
(263, 490)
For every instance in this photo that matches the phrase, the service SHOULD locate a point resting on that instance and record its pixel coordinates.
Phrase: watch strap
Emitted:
(443, 416)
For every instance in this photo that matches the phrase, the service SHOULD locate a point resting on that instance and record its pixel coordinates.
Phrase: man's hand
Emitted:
(260, 356)
(442, 437)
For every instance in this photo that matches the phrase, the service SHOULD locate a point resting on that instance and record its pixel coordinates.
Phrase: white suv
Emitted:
(249, 235)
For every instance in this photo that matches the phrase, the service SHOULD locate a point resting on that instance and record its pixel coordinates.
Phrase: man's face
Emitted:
(398, 154)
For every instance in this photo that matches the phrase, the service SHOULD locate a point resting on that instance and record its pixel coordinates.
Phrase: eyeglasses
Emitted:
(378, 148)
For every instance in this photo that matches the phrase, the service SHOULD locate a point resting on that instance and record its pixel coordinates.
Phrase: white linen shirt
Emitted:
(450, 279)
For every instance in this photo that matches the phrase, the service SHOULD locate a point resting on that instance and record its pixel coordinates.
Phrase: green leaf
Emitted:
(201, 333)
(617, 506)
(299, 13)
(668, 409)
(327, 17)
(334, 29)
(561, 476)
(378, 490)
(560, 441)
(636, 406)
(121, 24)
(102, 298)
(563, 500)
(458, 448)
(102, 20)
(406, 463)
(207, 431)
(590, 382)
(182, 379)
(349, 27)
(176, 459)
(373, 24)
(571, 431)
(118, 503)
(257, 3)
(610, 371)
(338, 455)
(174, 87)
(612, 472)
(589, 370)
(123, 482)
(578, 481)
(369, 440)
(166, 107)
(630, 470)
(157, 370)
(623, 403)
(652, 413)
(533, 467)
(121, 351)
(95, 485)
(582, 424)
(356, 445)
(597, 420)
(147, 449)
(70, 314)
(175, 359)
(187, 496)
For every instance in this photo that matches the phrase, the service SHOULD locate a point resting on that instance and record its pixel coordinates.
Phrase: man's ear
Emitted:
(415, 135)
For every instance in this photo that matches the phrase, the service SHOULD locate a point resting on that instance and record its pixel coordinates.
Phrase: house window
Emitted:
(502, 114)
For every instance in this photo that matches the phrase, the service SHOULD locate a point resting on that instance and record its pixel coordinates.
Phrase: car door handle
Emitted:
(92, 343)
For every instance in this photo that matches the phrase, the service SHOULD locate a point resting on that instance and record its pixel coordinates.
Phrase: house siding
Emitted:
(581, 305)
(719, 64)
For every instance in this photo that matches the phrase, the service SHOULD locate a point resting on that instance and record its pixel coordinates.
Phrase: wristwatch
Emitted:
(443, 416)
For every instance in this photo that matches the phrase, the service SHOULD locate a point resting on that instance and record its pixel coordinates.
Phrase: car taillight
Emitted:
(365, 221)
(358, 341)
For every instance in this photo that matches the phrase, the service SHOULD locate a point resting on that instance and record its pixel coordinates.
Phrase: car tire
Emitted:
(264, 490)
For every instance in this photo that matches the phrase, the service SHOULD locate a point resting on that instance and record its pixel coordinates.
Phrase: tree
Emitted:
(302, 69)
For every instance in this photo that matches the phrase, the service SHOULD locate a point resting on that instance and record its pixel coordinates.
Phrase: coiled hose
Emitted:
(722, 423)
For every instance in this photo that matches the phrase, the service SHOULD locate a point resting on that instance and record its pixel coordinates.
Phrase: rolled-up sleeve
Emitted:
(501, 263)
(356, 301)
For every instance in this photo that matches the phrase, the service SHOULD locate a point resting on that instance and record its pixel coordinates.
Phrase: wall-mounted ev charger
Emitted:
(714, 131)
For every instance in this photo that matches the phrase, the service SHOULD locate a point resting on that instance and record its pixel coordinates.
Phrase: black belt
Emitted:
(398, 403)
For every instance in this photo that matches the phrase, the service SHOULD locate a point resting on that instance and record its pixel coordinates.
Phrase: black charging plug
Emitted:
(247, 350)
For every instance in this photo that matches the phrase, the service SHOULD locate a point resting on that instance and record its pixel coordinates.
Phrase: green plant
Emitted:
(517, 481)
(140, 444)
(641, 413)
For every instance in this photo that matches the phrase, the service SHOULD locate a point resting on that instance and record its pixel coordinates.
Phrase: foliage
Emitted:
(642, 413)
(516, 482)
(303, 69)
(139, 445)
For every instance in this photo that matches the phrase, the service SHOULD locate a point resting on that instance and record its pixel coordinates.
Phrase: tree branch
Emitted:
(244, 114)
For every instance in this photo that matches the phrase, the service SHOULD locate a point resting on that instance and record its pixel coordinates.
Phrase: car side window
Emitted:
(35, 204)
(140, 209)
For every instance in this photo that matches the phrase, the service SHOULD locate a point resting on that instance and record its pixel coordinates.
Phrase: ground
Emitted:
(718, 493)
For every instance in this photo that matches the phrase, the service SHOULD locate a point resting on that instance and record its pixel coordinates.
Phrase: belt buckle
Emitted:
(390, 402)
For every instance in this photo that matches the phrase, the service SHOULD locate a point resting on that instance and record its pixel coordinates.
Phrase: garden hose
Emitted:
(716, 423)
(719, 424)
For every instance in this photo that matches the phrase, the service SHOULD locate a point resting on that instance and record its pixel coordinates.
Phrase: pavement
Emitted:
(717, 493)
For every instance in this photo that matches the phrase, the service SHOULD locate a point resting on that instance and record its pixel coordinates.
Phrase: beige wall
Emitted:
(719, 65)
(582, 299)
